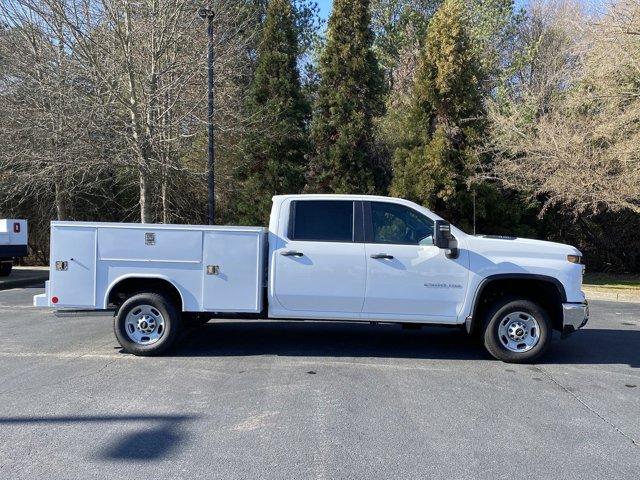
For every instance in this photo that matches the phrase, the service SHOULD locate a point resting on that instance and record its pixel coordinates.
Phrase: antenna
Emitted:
(474, 211)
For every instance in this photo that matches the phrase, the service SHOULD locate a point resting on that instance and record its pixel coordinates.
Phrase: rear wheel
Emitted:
(147, 324)
(5, 269)
(517, 331)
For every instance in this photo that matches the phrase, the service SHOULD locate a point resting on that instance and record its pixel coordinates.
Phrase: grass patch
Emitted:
(611, 280)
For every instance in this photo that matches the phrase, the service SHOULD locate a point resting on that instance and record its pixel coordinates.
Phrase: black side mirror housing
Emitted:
(444, 239)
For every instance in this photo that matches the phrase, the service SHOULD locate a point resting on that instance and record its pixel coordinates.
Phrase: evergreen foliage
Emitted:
(444, 122)
(396, 24)
(276, 147)
(493, 29)
(350, 96)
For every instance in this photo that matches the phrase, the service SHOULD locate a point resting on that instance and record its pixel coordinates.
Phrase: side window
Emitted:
(397, 224)
(321, 220)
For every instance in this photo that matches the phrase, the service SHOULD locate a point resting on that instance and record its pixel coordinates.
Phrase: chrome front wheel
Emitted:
(519, 332)
(516, 330)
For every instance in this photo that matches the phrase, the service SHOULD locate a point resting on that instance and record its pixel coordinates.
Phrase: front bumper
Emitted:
(574, 317)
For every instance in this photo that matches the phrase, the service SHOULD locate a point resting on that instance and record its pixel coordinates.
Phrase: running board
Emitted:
(83, 313)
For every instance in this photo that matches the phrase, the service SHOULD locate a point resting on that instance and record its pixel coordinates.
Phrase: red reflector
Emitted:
(16, 227)
(54, 299)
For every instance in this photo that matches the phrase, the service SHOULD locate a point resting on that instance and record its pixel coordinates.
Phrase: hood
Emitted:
(495, 243)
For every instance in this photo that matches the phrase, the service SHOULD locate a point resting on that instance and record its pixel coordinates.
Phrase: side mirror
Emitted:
(444, 239)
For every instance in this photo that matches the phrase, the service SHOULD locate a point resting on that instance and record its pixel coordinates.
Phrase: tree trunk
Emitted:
(145, 197)
(60, 200)
(165, 196)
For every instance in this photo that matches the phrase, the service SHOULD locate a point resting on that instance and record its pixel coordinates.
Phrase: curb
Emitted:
(612, 295)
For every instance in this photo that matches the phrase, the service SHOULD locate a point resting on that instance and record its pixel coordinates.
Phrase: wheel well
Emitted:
(130, 286)
(545, 293)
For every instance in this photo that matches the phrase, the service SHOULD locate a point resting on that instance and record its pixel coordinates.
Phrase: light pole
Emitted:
(208, 14)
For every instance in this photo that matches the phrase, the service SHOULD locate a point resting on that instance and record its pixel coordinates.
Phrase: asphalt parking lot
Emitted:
(275, 400)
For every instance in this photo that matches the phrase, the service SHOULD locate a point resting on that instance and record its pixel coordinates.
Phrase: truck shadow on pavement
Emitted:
(597, 346)
(158, 437)
(326, 339)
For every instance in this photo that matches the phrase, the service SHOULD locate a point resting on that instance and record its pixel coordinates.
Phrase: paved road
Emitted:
(278, 400)
(24, 276)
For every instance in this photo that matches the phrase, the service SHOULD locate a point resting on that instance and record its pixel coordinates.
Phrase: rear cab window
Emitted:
(321, 220)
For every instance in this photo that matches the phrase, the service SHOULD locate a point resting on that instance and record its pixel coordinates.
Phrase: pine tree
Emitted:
(445, 119)
(277, 143)
(350, 96)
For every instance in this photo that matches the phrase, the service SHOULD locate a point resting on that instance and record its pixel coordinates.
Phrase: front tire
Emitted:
(5, 269)
(517, 331)
(147, 324)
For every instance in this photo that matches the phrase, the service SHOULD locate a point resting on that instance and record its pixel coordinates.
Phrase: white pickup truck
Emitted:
(13, 243)
(323, 257)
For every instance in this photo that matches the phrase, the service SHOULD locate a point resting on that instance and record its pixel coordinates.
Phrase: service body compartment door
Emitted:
(149, 244)
(73, 266)
(232, 271)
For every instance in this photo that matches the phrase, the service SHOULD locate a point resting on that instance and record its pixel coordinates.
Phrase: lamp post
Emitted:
(208, 14)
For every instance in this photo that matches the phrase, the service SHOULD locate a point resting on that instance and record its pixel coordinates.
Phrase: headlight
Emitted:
(574, 258)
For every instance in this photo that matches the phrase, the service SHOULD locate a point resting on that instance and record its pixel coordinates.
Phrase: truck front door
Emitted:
(320, 264)
(408, 278)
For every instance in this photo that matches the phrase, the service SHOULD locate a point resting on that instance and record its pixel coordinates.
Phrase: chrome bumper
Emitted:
(574, 317)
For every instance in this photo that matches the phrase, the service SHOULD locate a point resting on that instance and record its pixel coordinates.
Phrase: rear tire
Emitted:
(5, 269)
(517, 331)
(147, 324)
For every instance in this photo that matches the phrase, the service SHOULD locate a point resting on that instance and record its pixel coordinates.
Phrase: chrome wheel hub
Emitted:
(519, 332)
(144, 324)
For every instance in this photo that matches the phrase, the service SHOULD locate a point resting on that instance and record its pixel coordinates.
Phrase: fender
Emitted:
(141, 275)
(509, 276)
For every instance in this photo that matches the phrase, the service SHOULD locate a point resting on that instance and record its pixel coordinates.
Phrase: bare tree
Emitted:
(142, 62)
(568, 133)
(46, 144)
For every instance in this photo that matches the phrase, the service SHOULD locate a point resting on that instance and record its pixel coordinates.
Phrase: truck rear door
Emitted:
(320, 263)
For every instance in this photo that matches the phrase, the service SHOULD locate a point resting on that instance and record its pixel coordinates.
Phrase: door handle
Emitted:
(291, 253)
(382, 255)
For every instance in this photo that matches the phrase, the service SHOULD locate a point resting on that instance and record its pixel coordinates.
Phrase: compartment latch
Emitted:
(62, 266)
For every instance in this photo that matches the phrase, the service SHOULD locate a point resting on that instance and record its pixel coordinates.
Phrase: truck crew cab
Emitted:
(13, 243)
(323, 257)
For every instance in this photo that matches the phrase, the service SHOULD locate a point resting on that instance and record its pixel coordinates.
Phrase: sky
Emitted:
(325, 5)
(325, 8)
